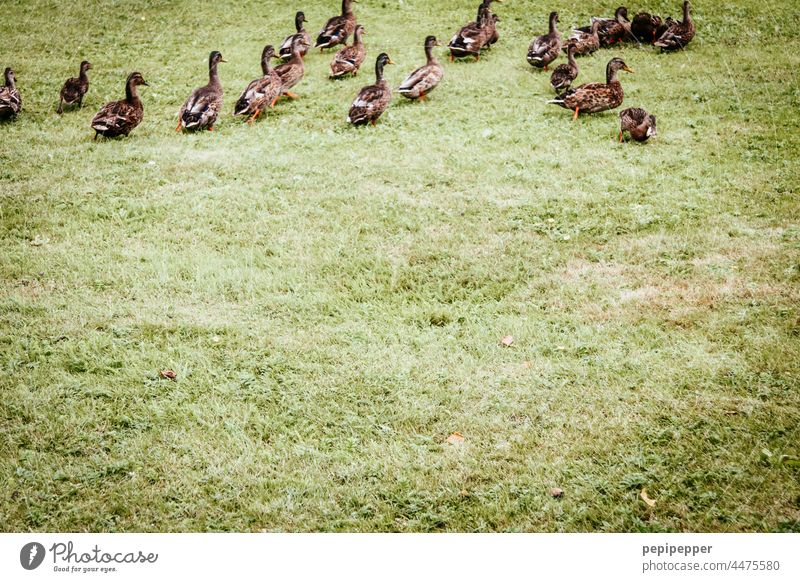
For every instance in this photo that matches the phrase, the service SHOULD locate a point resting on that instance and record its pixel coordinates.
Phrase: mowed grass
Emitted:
(332, 299)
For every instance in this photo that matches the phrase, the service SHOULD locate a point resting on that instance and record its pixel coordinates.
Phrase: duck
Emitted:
(201, 109)
(337, 29)
(293, 70)
(645, 27)
(612, 30)
(285, 50)
(586, 43)
(426, 78)
(565, 73)
(121, 117)
(544, 49)
(262, 92)
(636, 121)
(475, 35)
(349, 59)
(596, 97)
(75, 88)
(679, 34)
(10, 98)
(491, 24)
(372, 100)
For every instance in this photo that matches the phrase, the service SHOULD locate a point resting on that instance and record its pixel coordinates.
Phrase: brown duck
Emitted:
(285, 50)
(372, 100)
(10, 99)
(339, 28)
(585, 43)
(640, 124)
(544, 49)
(595, 97)
(121, 117)
(565, 73)
(292, 71)
(260, 93)
(348, 60)
(75, 88)
(679, 34)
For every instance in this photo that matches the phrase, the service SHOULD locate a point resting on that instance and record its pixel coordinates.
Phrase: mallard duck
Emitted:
(10, 99)
(565, 73)
(679, 34)
(595, 97)
(640, 124)
(349, 58)
(262, 92)
(491, 24)
(645, 27)
(476, 35)
(544, 49)
(285, 50)
(372, 100)
(612, 30)
(425, 79)
(204, 104)
(121, 117)
(292, 71)
(75, 88)
(338, 28)
(585, 43)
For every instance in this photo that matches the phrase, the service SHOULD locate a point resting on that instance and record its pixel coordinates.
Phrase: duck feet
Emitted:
(291, 95)
(574, 117)
(620, 136)
(178, 128)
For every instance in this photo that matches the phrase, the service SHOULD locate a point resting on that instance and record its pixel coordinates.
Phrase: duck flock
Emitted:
(203, 106)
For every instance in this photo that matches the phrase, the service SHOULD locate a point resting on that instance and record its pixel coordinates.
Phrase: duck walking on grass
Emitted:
(260, 93)
(425, 79)
(75, 88)
(204, 104)
(595, 97)
(679, 34)
(292, 71)
(586, 43)
(339, 28)
(372, 100)
(10, 99)
(611, 30)
(565, 73)
(349, 59)
(121, 117)
(544, 49)
(285, 50)
(640, 124)
(474, 36)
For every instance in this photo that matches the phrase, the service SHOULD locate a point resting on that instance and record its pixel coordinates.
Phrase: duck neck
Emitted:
(347, 7)
(611, 74)
(571, 56)
(429, 54)
(595, 28)
(357, 38)
(265, 67)
(132, 93)
(686, 16)
(553, 25)
(379, 73)
(213, 76)
(619, 15)
(296, 56)
(83, 76)
(298, 23)
(10, 81)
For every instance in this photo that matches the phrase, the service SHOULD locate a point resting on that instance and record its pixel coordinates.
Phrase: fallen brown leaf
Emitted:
(456, 438)
(556, 492)
(464, 493)
(646, 498)
(169, 374)
(507, 340)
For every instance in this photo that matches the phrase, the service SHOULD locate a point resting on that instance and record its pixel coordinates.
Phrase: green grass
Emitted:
(332, 299)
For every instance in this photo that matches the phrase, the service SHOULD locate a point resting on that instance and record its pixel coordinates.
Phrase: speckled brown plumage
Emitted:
(262, 92)
(544, 49)
(565, 73)
(285, 49)
(348, 60)
(10, 98)
(372, 100)
(75, 88)
(424, 79)
(679, 34)
(121, 117)
(339, 28)
(636, 121)
(595, 97)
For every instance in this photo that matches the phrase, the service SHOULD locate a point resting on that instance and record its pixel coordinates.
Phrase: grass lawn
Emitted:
(332, 299)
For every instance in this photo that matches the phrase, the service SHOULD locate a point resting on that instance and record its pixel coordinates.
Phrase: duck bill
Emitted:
(390, 62)
(627, 68)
